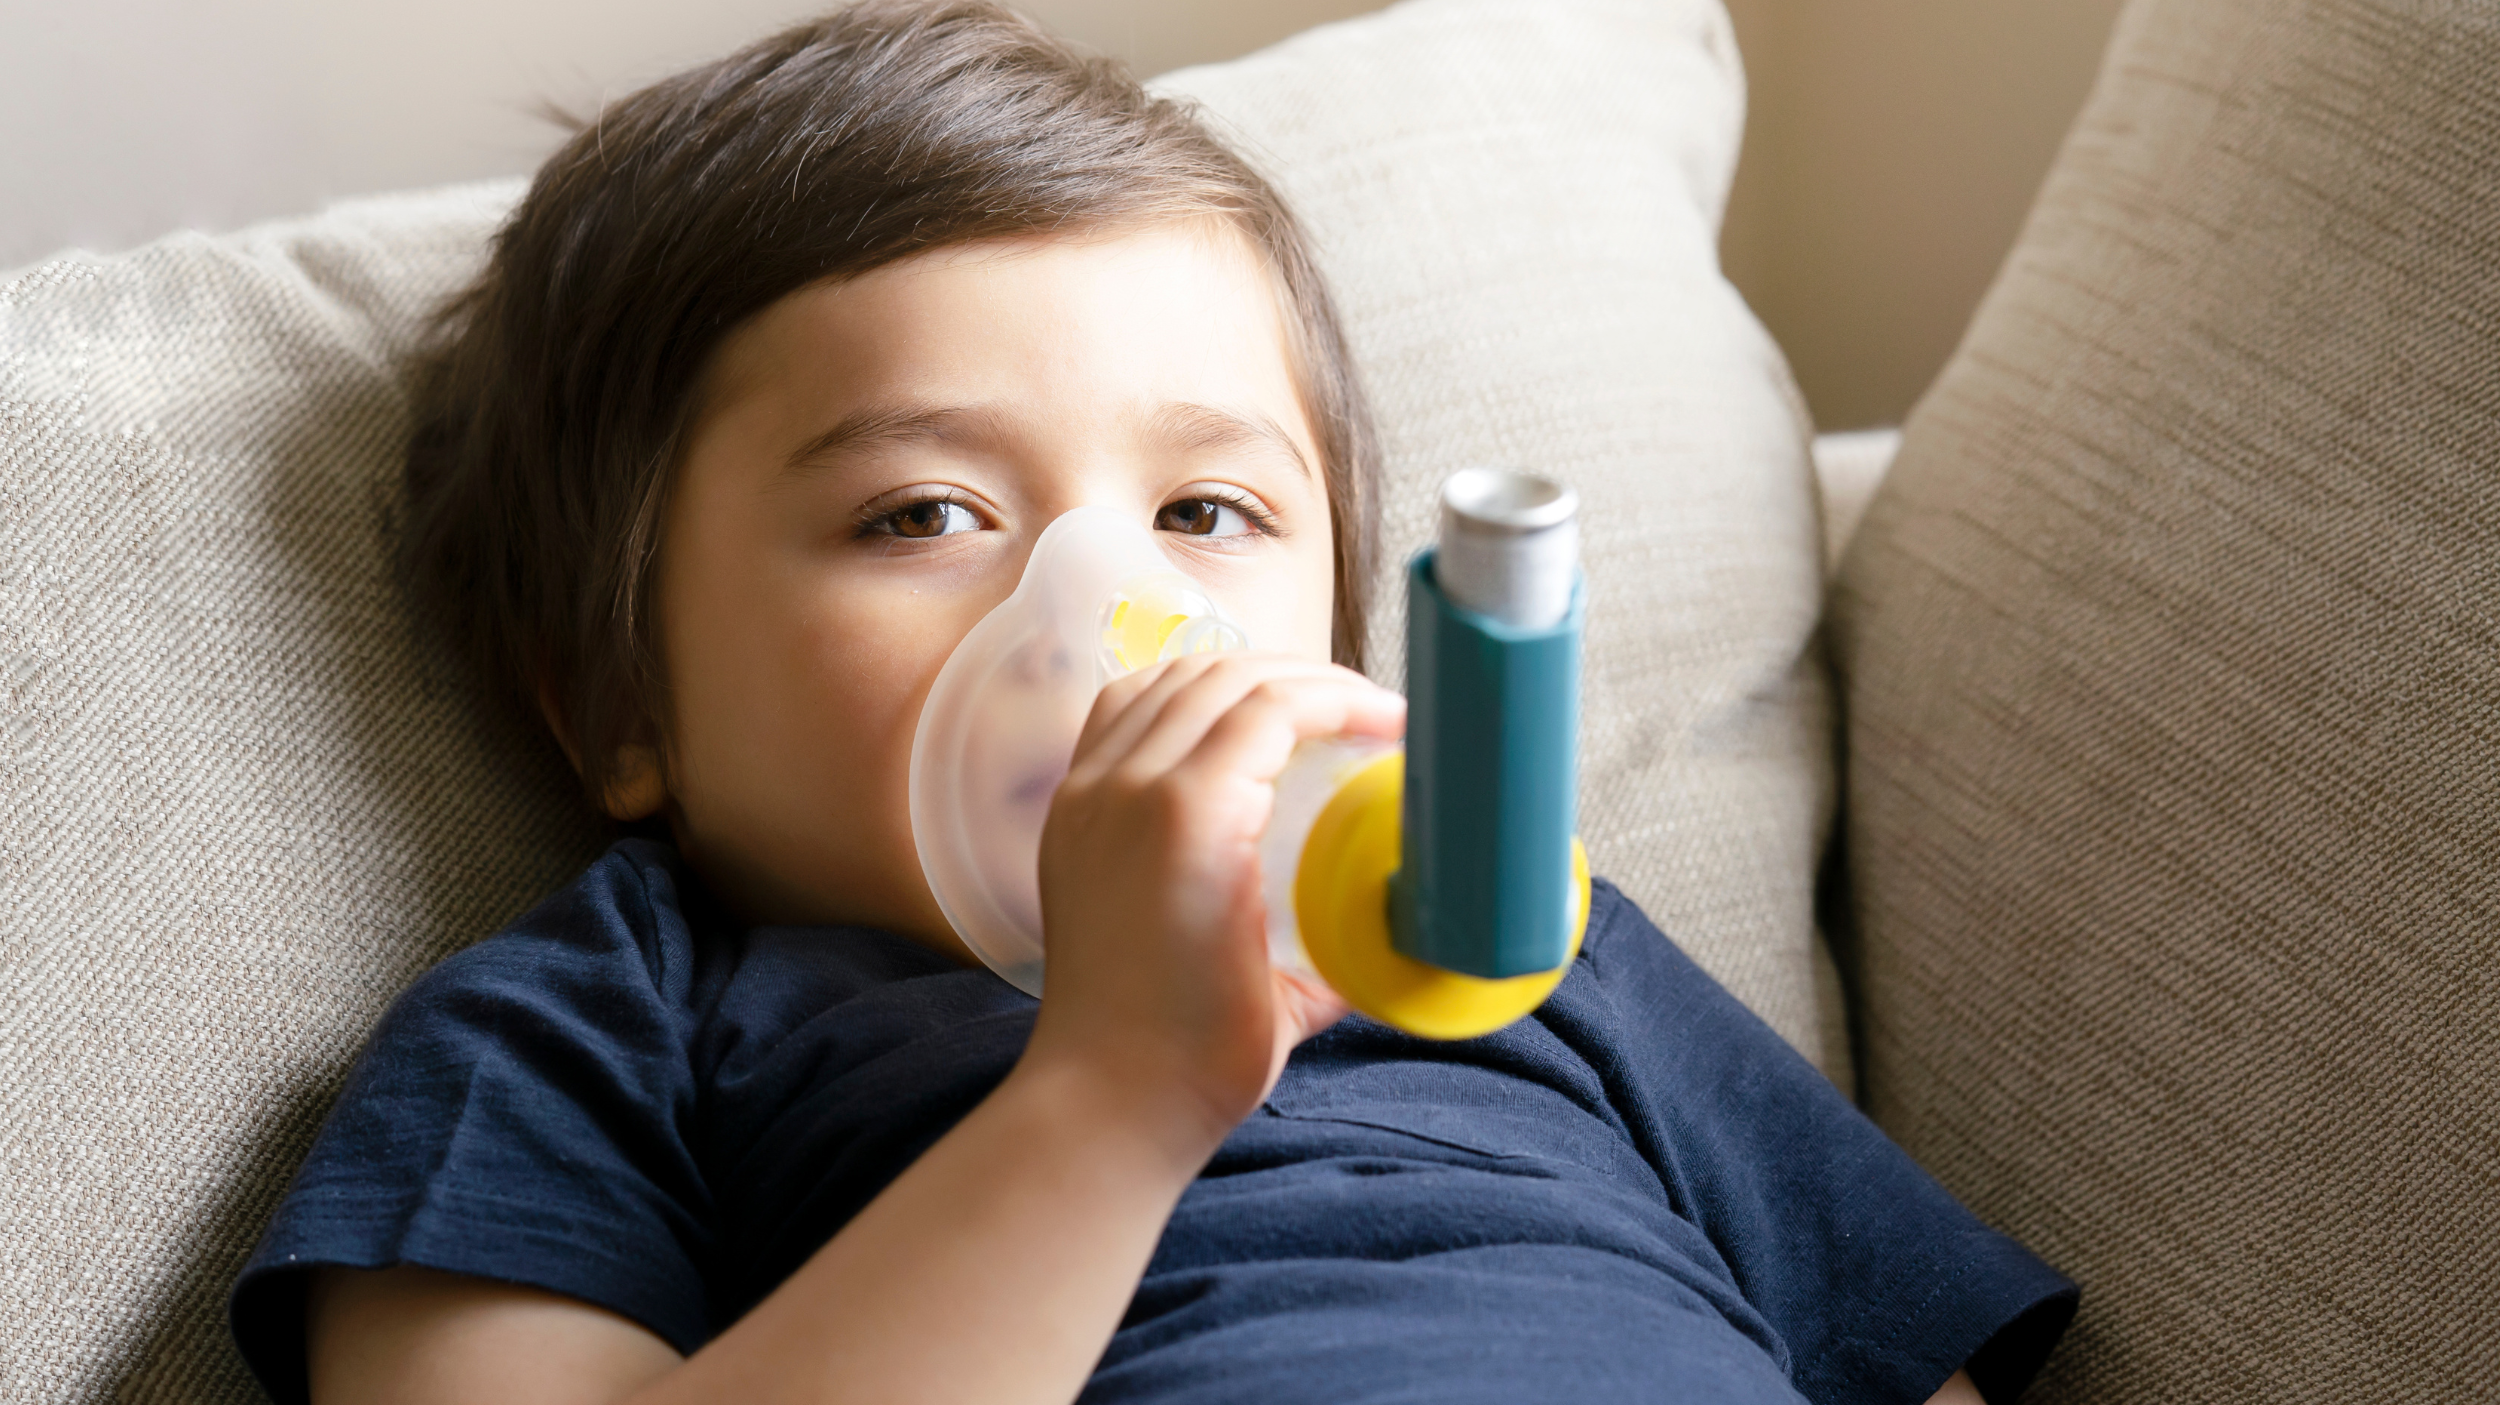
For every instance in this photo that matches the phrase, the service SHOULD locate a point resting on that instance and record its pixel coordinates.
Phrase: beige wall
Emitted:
(121, 119)
(1893, 148)
(1891, 151)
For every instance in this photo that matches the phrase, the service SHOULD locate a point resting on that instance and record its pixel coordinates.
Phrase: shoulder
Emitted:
(1609, 910)
(521, 1114)
(1636, 986)
(1621, 939)
(612, 948)
(626, 912)
(546, 1043)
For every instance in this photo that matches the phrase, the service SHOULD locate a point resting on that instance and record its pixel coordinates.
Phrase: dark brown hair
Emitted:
(551, 416)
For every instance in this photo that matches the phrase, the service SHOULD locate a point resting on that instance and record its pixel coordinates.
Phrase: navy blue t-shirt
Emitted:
(1640, 1193)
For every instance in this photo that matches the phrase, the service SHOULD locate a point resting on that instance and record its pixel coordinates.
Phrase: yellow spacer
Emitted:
(1341, 903)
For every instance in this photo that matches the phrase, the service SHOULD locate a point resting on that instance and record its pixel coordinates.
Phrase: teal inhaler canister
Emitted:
(1486, 884)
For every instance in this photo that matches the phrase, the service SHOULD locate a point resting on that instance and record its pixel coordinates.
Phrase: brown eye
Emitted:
(932, 517)
(1201, 517)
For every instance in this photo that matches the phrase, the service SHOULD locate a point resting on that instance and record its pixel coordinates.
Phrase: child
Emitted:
(769, 386)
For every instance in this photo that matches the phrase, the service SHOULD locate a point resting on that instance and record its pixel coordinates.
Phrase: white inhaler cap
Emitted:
(1510, 546)
(1098, 599)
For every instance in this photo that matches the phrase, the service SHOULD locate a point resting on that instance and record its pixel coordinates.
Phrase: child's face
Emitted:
(870, 466)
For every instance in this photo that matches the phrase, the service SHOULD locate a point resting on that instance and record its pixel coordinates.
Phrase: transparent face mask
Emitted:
(1098, 599)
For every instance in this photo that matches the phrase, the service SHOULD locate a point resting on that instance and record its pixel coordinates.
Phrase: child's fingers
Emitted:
(1128, 705)
(1256, 736)
(1207, 700)
(1302, 1006)
(1164, 723)
(1117, 700)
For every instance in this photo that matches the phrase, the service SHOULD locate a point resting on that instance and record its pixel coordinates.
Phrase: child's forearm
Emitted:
(995, 1269)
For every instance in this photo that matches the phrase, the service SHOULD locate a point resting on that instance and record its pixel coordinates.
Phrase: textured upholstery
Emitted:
(2171, 646)
(241, 804)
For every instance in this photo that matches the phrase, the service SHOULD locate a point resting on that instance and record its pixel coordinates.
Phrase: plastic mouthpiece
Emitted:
(1097, 600)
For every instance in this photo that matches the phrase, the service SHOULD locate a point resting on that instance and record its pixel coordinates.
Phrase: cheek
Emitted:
(859, 670)
(1283, 593)
(1293, 609)
(795, 704)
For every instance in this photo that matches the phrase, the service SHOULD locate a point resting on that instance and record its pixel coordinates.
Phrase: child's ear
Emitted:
(636, 787)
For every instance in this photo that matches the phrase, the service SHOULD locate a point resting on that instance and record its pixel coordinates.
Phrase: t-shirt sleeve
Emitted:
(519, 1114)
(1878, 1281)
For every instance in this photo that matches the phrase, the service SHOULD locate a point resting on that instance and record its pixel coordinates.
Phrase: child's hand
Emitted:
(1159, 976)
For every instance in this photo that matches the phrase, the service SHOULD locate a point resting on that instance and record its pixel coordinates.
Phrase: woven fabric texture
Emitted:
(2171, 646)
(243, 802)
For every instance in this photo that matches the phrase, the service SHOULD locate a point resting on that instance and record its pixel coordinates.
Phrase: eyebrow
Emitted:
(884, 426)
(1204, 427)
(1179, 425)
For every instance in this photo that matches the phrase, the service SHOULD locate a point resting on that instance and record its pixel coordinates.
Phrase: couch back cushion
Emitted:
(2171, 646)
(242, 803)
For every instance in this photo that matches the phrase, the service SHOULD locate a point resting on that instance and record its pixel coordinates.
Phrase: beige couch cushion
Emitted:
(240, 806)
(2171, 645)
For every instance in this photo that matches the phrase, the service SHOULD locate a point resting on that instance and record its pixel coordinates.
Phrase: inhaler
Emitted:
(1435, 886)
